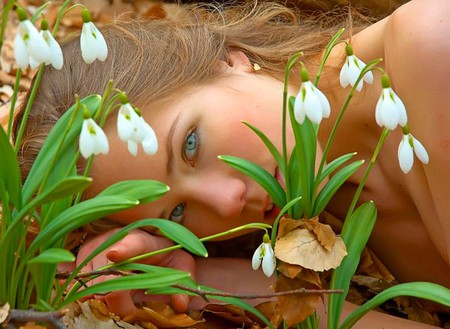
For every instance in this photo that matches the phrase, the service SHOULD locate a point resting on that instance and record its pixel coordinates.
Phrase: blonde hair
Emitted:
(155, 60)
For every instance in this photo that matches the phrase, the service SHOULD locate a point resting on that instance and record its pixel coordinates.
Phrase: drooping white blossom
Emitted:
(406, 149)
(92, 43)
(352, 69)
(29, 43)
(133, 129)
(390, 110)
(56, 55)
(310, 102)
(93, 139)
(264, 254)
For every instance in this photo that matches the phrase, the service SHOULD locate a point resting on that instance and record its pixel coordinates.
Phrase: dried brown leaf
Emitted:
(295, 308)
(301, 247)
(289, 270)
(324, 232)
(160, 315)
(4, 312)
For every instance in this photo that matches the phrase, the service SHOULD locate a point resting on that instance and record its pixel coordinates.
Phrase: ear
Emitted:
(237, 62)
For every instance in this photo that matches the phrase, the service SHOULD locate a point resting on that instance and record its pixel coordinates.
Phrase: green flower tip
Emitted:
(123, 98)
(385, 81)
(266, 238)
(86, 113)
(137, 111)
(304, 74)
(44, 24)
(349, 50)
(405, 129)
(21, 14)
(86, 16)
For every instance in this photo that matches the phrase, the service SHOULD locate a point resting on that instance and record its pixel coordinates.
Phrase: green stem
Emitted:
(380, 143)
(13, 101)
(30, 101)
(61, 13)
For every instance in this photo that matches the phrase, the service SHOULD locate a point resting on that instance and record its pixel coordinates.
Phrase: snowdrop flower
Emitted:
(93, 45)
(408, 145)
(352, 69)
(93, 140)
(29, 43)
(390, 110)
(264, 253)
(56, 55)
(310, 102)
(133, 129)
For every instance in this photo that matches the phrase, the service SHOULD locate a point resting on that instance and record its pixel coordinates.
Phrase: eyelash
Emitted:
(174, 216)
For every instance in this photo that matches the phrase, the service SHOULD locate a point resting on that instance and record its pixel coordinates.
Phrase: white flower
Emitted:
(93, 45)
(408, 145)
(56, 55)
(312, 103)
(352, 69)
(92, 139)
(264, 253)
(29, 43)
(133, 129)
(390, 110)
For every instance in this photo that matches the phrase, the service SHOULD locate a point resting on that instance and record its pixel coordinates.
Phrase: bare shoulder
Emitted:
(417, 52)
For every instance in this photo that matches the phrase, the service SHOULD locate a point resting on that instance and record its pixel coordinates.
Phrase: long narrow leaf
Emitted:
(142, 190)
(333, 165)
(358, 229)
(260, 175)
(51, 144)
(9, 171)
(425, 290)
(64, 188)
(333, 185)
(53, 256)
(273, 150)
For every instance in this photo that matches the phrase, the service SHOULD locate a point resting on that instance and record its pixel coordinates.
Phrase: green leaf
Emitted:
(333, 185)
(355, 235)
(175, 232)
(425, 290)
(130, 282)
(10, 178)
(273, 150)
(79, 215)
(51, 144)
(142, 190)
(260, 175)
(53, 256)
(64, 188)
(333, 165)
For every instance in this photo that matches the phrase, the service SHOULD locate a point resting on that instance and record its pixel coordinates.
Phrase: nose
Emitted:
(223, 195)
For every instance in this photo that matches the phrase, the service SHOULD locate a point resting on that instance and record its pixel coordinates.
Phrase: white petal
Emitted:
(37, 46)
(56, 55)
(268, 262)
(101, 142)
(150, 142)
(102, 49)
(256, 259)
(353, 71)
(132, 147)
(86, 143)
(87, 44)
(326, 109)
(420, 151)
(126, 118)
(388, 112)
(405, 155)
(299, 108)
(20, 52)
(33, 63)
(313, 106)
(403, 117)
(343, 75)
(378, 117)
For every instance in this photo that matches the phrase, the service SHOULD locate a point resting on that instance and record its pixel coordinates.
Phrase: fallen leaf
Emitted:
(295, 308)
(289, 270)
(4, 312)
(324, 232)
(301, 247)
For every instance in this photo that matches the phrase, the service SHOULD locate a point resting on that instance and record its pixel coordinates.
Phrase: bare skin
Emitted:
(412, 232)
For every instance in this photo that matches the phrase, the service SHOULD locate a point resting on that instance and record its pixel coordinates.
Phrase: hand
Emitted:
(135, 243)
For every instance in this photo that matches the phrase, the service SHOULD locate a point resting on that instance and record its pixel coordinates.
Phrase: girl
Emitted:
(194, 80)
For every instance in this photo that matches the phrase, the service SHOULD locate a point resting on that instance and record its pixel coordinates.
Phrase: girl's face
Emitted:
(206, 195)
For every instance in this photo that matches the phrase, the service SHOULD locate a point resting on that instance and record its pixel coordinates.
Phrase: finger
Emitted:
(120, 302)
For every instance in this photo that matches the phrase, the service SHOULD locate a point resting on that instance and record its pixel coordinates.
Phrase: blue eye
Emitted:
(191, 145)
(177, 214)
